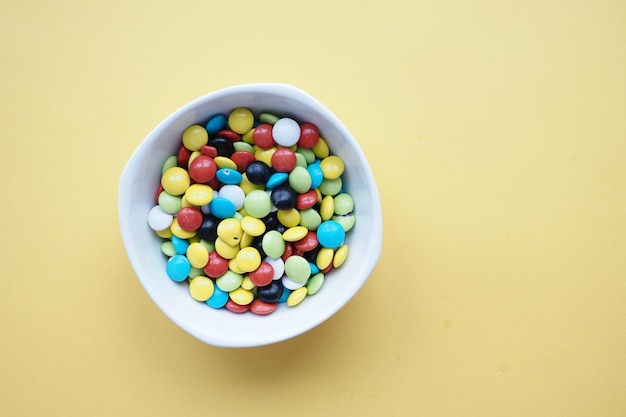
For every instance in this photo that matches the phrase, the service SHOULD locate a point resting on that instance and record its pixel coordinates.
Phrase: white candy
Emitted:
(291, 284)
(278, 265)
(158, 219)
(234, 193)
(286, 132)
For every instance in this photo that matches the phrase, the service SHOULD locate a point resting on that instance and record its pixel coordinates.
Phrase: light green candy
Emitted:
(268, 118)
(240, 145)
(167, 248)
(230, 281)
(344, 204)
(297, 268)
(170, 204)
(258, 203)
(310, 218)
(309, 155)
(170, 162)
(210, 246)
(273, 244)
(346, 221)
(300, 180)
(331, 187)
(315, 283)
(195, 272)
(301, 160)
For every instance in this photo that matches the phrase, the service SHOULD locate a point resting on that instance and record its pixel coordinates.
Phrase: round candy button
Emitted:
(330, 234)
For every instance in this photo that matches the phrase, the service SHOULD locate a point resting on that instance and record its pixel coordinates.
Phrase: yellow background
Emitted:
(497, 134)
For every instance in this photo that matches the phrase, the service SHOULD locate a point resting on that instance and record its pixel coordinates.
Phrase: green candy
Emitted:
(308, 154)
(346, 221)
(170, 204)
(315, 283)
(167, 248)
(301, 160)
(273, 244)
(300, 180)
(243, 146)
(170, 162)
(344, 204)
(310, 218)
(297, 268)
(331, 187)
(210, 246)
(230, 281)
(258, 203)
(195, 272)
(268, 118)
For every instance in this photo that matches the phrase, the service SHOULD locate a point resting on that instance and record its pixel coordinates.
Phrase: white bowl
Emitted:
(141, 177)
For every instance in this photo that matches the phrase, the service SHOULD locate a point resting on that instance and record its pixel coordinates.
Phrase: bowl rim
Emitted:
(280, 89)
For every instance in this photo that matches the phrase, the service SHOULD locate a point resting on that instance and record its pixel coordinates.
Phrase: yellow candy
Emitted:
(247, 283)
(248, 259)
(185, 203)
(288, 218)
(195, 137)
(248, 186)
(175, 181)
(332, 167)
(241, 120)
(340, 255)
(241, 296)
(179, 232)
(230, 231)
(201, 288)
(165, 234)
(319, 195)
(248, 137)
(293, 234)
(321, 149)
(197, 255)
(232, 265)
(193, 156)
(324, 258)
(223, 162)
(246, 240)
(327, 208)
(225, 250)
(296, 296)
(199, 194)
(265, 155)
(253, 226)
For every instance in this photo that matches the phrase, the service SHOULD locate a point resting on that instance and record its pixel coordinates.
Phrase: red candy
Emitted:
(309, 135)
(242, 159)
(189, 218)
(229, 134)
(283, 160)
(159, 191)
(306, 200)
(236, 308)
(183, 156)
(202, 169)
(217, 266)
(262, 136)
(288, 251)
(307, 243)
(208, 151)
(263, 275)
(261, 307)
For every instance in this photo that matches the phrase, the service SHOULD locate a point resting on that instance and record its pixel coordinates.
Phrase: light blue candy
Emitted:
(218, 299)
(330, 234)
(216, 123)
(317, 176)
(178, 268)
(180, 245)
(277, 179)
(314, 268)
(229, 176)
(286, 293)
(222, 208)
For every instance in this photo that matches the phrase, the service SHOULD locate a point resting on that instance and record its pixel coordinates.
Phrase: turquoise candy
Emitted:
(286, 293)
(317, 176)
(218, 299)
(216, 123)
(277, 179)
(229, 176)
(180, 245)
(330, 234)
(178, 268)
(222, 208)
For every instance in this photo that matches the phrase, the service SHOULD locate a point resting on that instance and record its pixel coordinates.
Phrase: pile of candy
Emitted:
(252, 211)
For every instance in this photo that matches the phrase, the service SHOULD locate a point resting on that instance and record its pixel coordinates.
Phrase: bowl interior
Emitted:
(140, 180)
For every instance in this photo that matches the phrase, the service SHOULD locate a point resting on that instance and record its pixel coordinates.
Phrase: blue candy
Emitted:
(229, 176)
(317, 176)
(286, 293)
(277, 179)
(330, 234)
(216, 123)
(222, 208)
(180, 245)
(218, 299)
(178, 268)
